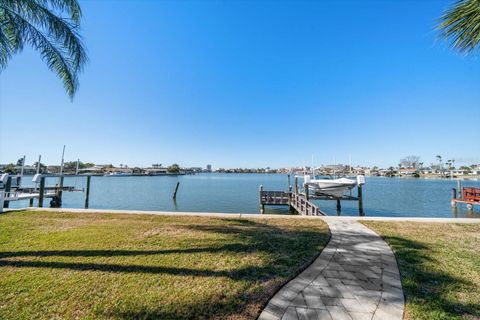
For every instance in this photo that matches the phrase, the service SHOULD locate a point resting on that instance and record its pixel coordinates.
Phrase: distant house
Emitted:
(96, 170)
(138, 171)
(458, 172)
(408, 172)
(155, 171)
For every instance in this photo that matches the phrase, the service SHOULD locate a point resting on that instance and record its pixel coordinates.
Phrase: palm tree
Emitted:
(439, 158)
(461, 25)
(49, 26)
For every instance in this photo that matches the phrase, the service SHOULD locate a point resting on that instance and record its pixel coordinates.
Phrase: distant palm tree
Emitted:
(42, 25)
(461, 25)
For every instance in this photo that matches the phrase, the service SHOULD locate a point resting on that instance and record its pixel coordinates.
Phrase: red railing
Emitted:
(471, 194)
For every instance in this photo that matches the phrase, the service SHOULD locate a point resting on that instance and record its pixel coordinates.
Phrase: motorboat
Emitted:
(331, 187)
(118, 174)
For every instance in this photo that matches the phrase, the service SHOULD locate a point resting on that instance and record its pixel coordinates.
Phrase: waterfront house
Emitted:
(155, 171)
(408, 172)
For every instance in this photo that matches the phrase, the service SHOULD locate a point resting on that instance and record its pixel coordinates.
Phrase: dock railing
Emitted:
(297, 201)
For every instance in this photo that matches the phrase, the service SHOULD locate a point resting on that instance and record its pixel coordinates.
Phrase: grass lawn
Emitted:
(440, 267)
(111, 266)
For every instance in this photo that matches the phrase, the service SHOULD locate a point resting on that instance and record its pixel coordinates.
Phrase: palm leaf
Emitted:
(461, 25)
(39, 24)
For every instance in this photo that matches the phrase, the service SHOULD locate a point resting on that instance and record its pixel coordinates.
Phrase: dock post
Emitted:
(30, 204)
(296, 185)
(87, 191)
(339, 206)
(57, 200)
(8, 187)
(41, 192)
(459, 188)
(360, 201)
(60, 192)
(289, 184)
(176, 189)
(305, 187)
(262, 206)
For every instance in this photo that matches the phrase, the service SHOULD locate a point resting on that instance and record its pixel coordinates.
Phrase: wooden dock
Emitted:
(300, 201)
(295, 201)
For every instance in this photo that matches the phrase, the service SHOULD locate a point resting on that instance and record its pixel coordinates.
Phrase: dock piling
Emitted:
(41, 192)
(8, 187)
(262, 206)
(305, 187)
(87, 191)
(360, 201)
(176, 189)
(339, 206)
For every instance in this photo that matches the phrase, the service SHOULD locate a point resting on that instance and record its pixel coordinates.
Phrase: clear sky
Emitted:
(249, 84)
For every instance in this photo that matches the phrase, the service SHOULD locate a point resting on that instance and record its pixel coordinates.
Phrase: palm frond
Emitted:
(39, 24)
(461, 25)
(71, 7)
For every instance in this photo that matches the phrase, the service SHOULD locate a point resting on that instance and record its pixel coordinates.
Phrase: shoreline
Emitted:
(249, 215)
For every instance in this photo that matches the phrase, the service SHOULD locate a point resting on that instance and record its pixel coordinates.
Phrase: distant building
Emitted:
(408, 172)
(209, 168)
(155, 171)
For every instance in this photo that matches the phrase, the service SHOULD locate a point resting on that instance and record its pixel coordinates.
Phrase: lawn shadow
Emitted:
(429, 288)
(285, 252)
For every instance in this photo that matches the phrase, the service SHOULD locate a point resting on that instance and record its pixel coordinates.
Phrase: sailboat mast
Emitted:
(38, 163)
(23, 166)
(60, 178)
(334, 168)
(313, 169)
(350, 162)
(21, 172)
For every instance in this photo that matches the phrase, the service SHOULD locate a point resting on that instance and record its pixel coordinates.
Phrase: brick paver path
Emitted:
(355, 277)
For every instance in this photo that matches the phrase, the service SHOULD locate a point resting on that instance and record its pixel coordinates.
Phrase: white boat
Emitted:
(330, 187)
(117, 174)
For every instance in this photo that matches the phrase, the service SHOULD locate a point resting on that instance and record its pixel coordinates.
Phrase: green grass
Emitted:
(111, 266)
(440, 267)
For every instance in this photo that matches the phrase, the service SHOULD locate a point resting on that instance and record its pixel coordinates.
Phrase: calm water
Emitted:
(238, 193)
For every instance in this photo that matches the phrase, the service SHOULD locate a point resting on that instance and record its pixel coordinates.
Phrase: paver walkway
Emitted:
(355, 277)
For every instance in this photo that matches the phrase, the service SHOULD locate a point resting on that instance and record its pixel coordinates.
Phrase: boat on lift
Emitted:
(330, 187)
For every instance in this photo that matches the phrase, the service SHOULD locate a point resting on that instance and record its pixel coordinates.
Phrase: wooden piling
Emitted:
(176, 189)
(8, 187)
(289, 184)
(41, 192)
(305, 187)
(30, 204)
(87, 191)
(459, 188)
(339, 205)
(262, 206)
(360, 201)
(296, 185)
(60, 192)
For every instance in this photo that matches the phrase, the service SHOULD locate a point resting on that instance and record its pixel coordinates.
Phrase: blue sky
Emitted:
(247, 84)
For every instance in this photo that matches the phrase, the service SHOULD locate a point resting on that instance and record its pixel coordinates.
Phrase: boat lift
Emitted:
(11, 190)
(469, 195)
